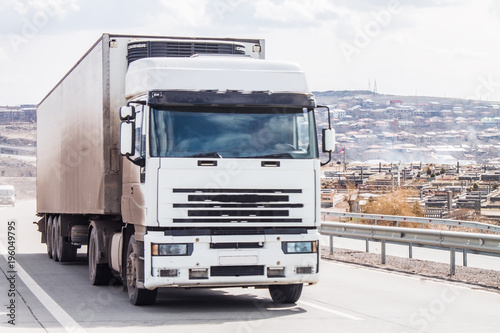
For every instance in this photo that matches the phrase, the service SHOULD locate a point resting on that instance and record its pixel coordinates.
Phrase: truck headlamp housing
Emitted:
(299, 247)
(171, 249)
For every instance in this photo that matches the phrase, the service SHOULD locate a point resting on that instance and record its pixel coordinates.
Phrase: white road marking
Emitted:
(335, 312)
(67, 322)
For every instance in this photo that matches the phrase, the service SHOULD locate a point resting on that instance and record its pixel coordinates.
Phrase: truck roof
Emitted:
(220, 73)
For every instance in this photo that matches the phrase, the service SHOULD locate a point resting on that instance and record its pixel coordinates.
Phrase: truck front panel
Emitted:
(232, 260)
(234, 192)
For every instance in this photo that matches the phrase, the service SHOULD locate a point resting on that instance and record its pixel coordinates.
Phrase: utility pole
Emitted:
(345, 165)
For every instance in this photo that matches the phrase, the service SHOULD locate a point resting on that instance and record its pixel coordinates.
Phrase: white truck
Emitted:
(182, 162)
(7, 195)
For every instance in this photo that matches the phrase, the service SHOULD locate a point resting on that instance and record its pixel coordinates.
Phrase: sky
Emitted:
(442, 48)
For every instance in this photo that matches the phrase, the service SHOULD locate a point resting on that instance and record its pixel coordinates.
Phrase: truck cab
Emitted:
(223, 172)
(7, 195)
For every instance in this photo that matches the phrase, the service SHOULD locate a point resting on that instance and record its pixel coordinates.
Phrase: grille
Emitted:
(151, 49)
(237, 205)
(236, 245)
(236, 270)
(237, 232)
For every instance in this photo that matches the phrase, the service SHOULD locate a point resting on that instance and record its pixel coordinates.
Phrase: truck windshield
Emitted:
(233, 132)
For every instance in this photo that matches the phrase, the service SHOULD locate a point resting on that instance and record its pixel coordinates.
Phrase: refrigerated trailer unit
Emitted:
(182, 162)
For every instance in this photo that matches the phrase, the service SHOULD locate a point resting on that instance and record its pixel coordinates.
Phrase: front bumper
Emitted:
(6, 201)
(214, 261)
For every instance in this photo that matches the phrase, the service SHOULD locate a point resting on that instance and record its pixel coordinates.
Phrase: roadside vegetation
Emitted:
(394, 203)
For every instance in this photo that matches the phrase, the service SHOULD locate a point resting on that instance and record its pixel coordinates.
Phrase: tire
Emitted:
(99, 274)
(136, 296)
(54, 239)
(48, 232)
(286, 293)
(79, 234)
(65, 251)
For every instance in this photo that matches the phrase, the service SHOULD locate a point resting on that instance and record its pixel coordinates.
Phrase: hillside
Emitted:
(333, 96)
(17, 158)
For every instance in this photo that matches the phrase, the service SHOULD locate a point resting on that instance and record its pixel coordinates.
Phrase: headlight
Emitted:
(170, 249)
(300, 247)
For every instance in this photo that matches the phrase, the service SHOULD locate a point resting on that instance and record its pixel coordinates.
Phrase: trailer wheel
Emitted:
(286, 293)
(48, 232)
(99, 274)
(136, 296)
(65, 251)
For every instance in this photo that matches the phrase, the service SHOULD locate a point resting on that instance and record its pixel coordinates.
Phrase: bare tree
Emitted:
(352, 197)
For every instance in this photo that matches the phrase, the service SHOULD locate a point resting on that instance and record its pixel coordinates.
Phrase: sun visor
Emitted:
(213, 73)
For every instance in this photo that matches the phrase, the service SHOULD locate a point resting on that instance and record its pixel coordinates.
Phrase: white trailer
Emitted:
(182, 162)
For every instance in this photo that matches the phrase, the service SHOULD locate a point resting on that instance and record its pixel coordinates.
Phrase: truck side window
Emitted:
(140, 138)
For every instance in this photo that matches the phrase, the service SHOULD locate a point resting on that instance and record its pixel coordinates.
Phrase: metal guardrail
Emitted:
(452, 240)
(421, 220)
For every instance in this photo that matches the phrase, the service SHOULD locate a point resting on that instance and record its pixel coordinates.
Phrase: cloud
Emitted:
(188, 13)
(35, 16)
(285, 11)
(310, 12)
(426, 45)
(494, 9)
(55, 8)
(371, 5)
(11, 4)
(3, 55)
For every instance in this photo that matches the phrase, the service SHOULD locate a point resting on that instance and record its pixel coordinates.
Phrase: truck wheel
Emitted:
(136, 296)
(79, 234)
(54, 239)
(286, 293)
(99, 274)
(65, 251)
(48, 232)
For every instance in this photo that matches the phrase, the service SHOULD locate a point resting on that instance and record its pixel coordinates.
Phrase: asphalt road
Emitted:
(51, 296)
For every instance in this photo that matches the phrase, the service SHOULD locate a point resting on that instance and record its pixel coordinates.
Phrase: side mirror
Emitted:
(127, 113)
(127, 139)
(328, 140)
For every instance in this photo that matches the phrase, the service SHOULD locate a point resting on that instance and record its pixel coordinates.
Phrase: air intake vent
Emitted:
(236, 270)
(214, 205)
(151, 49)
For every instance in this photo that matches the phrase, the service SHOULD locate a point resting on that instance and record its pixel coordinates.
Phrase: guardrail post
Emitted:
(331, 244)
(382, 251)
(367, 246)
(452, 261)
(410, 250)
(464, 257)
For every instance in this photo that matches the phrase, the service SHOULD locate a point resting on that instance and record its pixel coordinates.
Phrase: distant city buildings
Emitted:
(432, 132)
(20, 113)
(442, 191)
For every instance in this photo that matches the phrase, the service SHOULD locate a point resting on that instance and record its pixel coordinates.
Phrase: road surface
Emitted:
(57, 297)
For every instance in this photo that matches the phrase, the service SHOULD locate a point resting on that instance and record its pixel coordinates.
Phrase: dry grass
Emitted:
(394, 203)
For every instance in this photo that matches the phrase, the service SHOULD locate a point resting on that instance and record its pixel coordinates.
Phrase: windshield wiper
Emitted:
(279, 155)
(212, 154)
